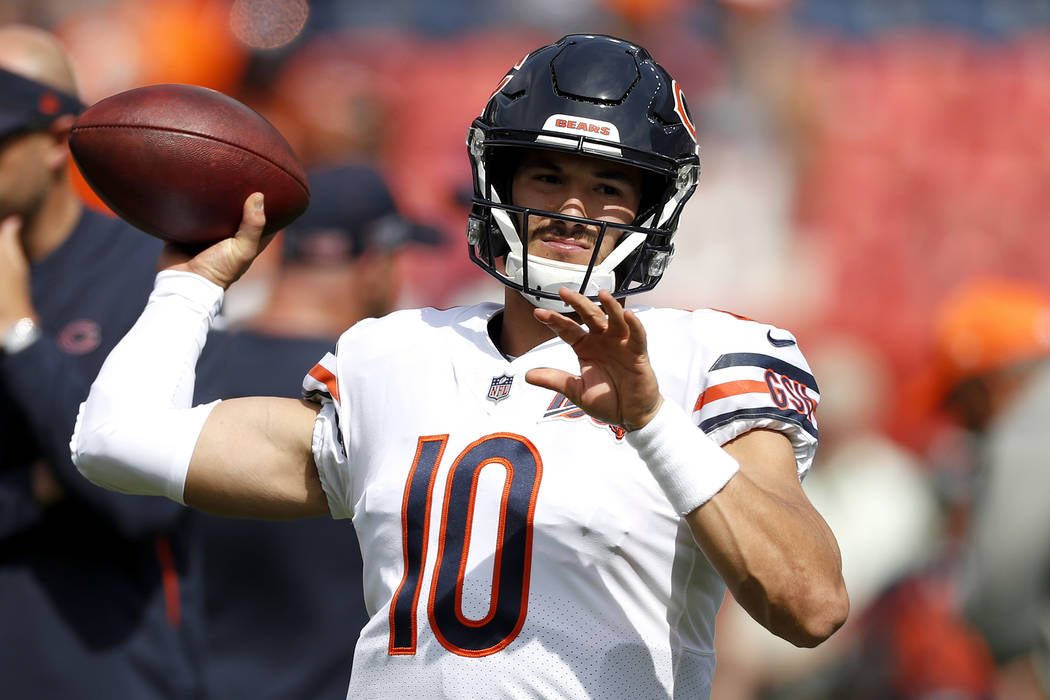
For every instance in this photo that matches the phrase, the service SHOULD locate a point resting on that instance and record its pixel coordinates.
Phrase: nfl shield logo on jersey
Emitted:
(499, 389)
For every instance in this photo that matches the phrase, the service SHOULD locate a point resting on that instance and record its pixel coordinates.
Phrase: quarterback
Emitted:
(552, 495)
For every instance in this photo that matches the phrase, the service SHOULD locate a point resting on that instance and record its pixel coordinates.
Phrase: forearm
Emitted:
(778, 558)
(749, 515)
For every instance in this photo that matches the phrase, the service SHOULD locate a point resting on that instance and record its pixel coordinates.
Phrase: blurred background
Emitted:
(865, 162)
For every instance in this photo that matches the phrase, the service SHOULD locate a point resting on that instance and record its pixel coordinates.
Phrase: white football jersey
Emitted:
(513, 546)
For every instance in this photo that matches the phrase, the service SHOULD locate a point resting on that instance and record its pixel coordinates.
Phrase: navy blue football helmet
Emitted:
(598, 96)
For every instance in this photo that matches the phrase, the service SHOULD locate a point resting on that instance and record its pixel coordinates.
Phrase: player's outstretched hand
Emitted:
(225, 261)
(616, 383)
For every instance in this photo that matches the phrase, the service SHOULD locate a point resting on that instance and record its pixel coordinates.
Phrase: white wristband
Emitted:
(687, 464)
(136, 432)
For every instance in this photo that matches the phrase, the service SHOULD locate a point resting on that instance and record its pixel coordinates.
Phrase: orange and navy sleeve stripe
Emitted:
(748, 386)
(727, 389)
(321, 382)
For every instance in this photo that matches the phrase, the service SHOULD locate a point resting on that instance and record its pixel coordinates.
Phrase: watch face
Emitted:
(21, 335)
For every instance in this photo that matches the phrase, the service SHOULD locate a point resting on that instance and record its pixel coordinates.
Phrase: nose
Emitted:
(574, 204)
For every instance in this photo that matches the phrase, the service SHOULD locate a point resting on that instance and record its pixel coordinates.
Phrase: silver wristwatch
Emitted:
(20, 335)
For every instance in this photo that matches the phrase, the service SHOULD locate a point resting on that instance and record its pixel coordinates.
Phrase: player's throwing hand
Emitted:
(225, 261)
(616, 383)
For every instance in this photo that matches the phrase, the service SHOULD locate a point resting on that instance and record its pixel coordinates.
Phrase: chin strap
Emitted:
(550, 275)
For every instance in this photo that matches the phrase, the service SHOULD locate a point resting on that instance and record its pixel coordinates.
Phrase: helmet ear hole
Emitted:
(496, 245)
(634, 268)
(654, 192)
(484, 235)
(502, 164)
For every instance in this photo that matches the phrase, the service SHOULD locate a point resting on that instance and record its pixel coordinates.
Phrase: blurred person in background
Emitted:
(332, 107)
(742, 220)
(98, 594)
(284, 600)
(902, 516)
(990, 373)
(346, 249)
(970, 623)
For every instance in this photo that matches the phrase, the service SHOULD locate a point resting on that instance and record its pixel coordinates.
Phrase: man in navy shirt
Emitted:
(99, 594)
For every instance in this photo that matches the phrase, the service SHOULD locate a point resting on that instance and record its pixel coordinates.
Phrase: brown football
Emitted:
(178, 161)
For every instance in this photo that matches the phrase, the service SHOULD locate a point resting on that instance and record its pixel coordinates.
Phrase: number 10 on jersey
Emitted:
(513, 552)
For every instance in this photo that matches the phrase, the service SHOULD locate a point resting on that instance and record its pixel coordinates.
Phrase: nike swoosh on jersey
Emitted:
(778, 342)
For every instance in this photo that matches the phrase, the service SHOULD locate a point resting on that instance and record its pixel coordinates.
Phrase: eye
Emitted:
(610, 191)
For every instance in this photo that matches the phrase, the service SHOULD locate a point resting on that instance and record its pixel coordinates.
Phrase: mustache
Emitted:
(566, 229)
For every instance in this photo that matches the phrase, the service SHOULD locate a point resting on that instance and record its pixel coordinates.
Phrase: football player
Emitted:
(553, 494)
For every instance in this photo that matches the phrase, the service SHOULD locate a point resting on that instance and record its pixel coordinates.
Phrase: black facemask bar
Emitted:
(643, 266)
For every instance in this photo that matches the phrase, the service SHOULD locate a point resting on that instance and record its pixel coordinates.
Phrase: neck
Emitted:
(51, 223)
(521, 331)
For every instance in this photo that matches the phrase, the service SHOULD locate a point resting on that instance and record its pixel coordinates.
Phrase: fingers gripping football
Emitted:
(616, 383)
(225, 261)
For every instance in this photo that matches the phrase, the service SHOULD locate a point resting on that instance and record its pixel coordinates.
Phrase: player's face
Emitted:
(576, 185)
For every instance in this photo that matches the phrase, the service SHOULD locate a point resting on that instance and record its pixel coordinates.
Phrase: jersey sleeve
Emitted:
(760, 379)
(321, 385)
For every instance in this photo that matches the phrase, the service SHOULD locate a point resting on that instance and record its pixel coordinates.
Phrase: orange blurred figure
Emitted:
(986, 328)
(142, 42)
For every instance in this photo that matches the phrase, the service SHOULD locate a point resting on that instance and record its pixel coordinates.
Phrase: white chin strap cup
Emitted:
(551, 275)
(548, 275)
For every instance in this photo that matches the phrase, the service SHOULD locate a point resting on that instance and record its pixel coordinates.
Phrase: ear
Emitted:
(59, 131)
